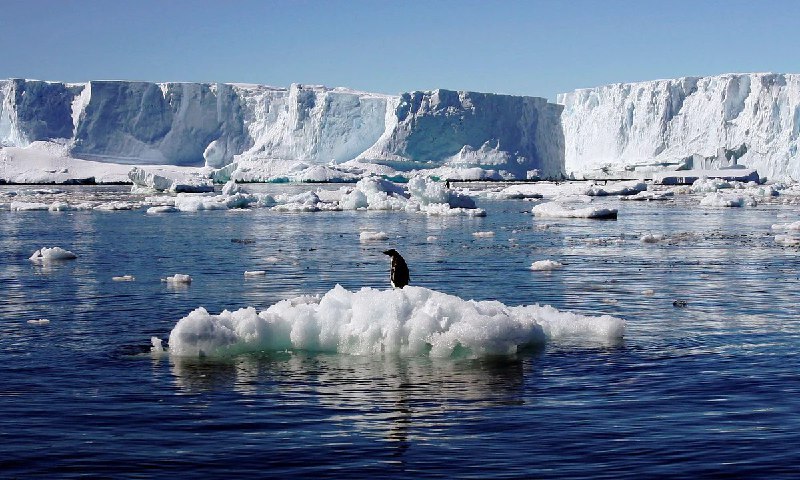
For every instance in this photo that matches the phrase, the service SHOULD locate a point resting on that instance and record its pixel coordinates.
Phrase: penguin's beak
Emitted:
(387, 252)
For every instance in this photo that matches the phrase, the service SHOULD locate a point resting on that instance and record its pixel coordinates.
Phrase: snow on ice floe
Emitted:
(407, 321)
(178, 278)
(545, 265)
(47, 254)
(370, 236)
(790, 236)
(717, 199)
(619, 188)
(651, 238)
(559, 210)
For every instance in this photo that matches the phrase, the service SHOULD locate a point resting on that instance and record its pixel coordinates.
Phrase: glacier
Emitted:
(717, 122)
(257, 132)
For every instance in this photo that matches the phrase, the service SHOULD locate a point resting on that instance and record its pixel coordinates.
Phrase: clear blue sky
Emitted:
(532, 47)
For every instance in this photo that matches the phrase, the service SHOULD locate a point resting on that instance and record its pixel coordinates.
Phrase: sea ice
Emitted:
(406, 321)
(47, 254)
(727, 200)
(545, 265)
(179, 278)
(558, 210)
(368, 236)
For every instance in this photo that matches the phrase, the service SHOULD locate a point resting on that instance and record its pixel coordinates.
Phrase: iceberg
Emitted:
(262, 133)
(701, 123)
(411, 321)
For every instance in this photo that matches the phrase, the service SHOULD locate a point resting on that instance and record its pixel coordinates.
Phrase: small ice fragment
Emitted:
(39, 321)
(545, 265)
(650, 238)
(271, 260)
(486, 234)
(124, 278)
(162, 209)
(55, 253)
(254, 273)
(432, 238)
(610, 301)
(157, 346)
(367, 236)
(648, 292)
(178, 278)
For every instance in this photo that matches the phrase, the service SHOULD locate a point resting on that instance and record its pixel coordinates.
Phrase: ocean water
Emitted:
(708, 388)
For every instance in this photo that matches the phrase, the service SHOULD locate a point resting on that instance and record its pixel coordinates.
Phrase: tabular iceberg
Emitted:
(750, 120)
(257, 131)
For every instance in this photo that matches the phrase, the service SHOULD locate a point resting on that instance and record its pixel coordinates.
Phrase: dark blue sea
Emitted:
(704, 384)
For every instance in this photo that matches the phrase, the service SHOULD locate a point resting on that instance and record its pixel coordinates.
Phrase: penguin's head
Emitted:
(391, 252)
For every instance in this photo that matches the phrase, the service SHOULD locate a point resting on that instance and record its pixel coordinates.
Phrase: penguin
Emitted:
(400, 276)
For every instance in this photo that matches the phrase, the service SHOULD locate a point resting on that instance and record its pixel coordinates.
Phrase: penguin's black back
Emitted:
(400, 275)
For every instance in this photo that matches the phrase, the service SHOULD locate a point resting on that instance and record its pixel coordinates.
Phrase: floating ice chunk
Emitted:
(39, 321)
(432, 238)
(232, 188)
(254, 273)
(788, 240)
(545, 265)
(649, 196)
(368, 236)
(178, 278)
(47, 254)
(114, 206)
(727, 200)
(486, 234)
(651, 238)
(787, 226)
(621, 188)
(60, 207)
(162, 209)
(156, 347)
(124, 278)
(28, 206)
(648, 292)
(272, 260)
(709, 185)
(193, 202)
(557, 210)
(408, 321)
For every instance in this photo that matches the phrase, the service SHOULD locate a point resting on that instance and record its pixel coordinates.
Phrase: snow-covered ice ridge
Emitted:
(698, 122)
(245, 127)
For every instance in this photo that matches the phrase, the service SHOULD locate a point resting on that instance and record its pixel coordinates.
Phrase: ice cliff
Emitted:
(748, 120)
(225, 125)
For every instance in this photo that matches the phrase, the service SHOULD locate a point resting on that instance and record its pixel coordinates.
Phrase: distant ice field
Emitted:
(702, 383)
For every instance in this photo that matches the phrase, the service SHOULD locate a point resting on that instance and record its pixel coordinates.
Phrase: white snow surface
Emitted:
(693, 122)
(409, 321)
(545, 265)
(560, 210)
(46, 254)
(262, 133)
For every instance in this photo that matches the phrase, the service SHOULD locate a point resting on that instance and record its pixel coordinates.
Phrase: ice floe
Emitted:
(408, 321)
(47, 254)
